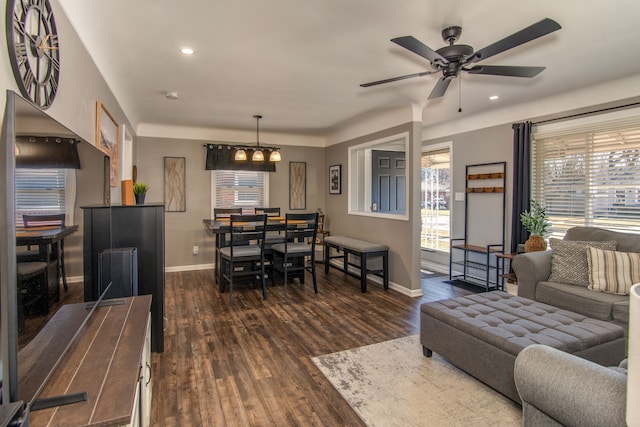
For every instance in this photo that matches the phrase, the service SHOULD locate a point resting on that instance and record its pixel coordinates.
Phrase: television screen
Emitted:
(50, 172)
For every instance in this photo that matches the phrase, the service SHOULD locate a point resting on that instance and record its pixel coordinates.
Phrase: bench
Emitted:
(362, 249)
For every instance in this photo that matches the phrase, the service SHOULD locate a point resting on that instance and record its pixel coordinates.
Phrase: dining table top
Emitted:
(222, 225)
(43, 234)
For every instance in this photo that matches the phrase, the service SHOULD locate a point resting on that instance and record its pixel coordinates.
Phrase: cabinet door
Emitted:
(145, 380)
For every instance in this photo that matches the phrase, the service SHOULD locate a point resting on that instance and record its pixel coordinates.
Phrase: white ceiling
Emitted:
(299, 63)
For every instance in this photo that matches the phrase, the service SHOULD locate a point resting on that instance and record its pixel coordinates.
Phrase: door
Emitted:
(388, 186)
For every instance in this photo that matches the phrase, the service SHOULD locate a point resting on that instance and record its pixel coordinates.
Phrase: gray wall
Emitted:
(183, 230)
(397, 234)
(492, 144)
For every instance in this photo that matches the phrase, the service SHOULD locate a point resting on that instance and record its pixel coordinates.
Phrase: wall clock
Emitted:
(34, 49)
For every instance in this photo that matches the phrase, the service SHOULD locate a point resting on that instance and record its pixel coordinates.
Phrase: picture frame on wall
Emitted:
(175, 197)
(297, 185)
(107, 140)
(335, 179)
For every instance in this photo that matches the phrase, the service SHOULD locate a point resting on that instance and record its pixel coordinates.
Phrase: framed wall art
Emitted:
(335, 179)
(107, 140)
(297, 185)
(175, 198)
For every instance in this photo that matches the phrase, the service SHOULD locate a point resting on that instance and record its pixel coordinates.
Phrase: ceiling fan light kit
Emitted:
(258, 152)
(450, 60)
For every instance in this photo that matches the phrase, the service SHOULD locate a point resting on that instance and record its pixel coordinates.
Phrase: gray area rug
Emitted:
(393, 384)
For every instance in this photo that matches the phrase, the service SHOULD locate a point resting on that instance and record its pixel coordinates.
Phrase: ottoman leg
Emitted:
(427, 352)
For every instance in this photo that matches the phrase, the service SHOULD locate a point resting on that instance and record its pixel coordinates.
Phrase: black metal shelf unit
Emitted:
(485, 210)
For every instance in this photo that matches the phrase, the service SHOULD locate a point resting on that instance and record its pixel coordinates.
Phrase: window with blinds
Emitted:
(589, 175)
(39, 191)
(244, 189)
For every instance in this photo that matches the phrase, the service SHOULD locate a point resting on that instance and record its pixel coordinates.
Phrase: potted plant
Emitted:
(140, 191)
(536, 222)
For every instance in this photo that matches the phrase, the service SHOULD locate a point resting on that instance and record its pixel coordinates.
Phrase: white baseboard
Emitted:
(192, 267)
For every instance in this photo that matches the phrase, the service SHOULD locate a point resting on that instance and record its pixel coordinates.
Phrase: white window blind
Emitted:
(244, 189)
(39, 191)
(589, 175)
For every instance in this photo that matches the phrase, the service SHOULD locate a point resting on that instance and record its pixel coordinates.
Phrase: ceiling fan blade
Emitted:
(394, 79)
(440, 88)
(419, 48)
(505, 70)
(532, 32)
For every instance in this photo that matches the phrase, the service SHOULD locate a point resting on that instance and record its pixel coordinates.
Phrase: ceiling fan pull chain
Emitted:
(460, 95)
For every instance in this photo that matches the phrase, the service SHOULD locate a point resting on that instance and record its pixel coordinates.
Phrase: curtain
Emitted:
(47, 152)
(221, 157)
(521, 181)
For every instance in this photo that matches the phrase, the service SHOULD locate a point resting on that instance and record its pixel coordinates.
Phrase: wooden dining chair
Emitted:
(244, 257)
(300, 244)
(58, 220)
(33, 289)
(268, 211)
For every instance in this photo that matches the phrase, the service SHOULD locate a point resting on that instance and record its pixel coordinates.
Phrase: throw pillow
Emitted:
(613, 272)
(569, 260)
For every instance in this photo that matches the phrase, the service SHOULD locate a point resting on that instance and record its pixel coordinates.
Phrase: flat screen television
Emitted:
(32, 139)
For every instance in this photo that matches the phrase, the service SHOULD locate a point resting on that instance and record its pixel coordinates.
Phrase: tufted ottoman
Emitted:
(483, 333)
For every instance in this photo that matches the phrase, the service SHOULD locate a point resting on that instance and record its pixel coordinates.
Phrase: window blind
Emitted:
(244, 189)
(39, 191)
(589, 175)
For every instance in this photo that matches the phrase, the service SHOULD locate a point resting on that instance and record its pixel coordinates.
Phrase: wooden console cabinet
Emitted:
(138, 226)
(110, 360)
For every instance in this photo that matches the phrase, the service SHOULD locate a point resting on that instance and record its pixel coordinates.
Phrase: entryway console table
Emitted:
(472, 258)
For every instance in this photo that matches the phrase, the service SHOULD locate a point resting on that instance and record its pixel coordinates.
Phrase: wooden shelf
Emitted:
(493, 175)
(480, 249)
(485, 190)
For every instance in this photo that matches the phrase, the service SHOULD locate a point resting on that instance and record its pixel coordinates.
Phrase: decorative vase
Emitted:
(535, 243)
(140, 199)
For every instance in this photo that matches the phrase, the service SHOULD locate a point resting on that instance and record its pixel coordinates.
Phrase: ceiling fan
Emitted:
(450, 60)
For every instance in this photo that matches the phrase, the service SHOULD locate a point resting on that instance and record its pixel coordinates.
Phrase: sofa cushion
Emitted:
(611, 271)
(627, 242)
(569, 260)
(598, 305)
(620, 311)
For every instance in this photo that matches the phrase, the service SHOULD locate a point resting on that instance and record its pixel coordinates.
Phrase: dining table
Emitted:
(47, 238)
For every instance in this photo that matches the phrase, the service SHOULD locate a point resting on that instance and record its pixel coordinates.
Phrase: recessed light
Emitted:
(172, 95)
(187, 51)
(493, 97)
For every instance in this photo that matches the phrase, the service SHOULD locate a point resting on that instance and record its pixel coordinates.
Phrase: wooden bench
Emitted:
(362, 249)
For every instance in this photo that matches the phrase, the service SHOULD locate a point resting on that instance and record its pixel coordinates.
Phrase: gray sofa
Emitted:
(533, 270)
(560, 389)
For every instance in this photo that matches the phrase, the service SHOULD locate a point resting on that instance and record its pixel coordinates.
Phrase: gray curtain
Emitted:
(521, 181)
(221, 157)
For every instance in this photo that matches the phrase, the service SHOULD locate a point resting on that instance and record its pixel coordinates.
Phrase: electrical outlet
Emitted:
(195, 250)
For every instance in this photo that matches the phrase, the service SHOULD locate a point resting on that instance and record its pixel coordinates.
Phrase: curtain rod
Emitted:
(587, 113)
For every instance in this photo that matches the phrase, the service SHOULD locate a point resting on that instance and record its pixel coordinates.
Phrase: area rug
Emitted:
(393, 384)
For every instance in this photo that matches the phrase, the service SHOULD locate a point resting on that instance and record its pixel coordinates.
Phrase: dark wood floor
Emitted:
(249, 363)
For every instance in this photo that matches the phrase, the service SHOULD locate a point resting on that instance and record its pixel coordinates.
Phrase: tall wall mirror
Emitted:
(51, 173)
(378, 177)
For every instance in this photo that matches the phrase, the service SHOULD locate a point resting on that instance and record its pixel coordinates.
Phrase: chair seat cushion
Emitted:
(355, 244)
(29, 268)
(293, 247)
(240, 251)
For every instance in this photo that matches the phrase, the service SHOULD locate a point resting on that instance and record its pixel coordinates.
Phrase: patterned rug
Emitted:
(393, 384)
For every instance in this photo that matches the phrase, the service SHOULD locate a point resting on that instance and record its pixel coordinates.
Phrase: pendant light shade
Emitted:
(240, 155)
(258, 156)
(275, 156)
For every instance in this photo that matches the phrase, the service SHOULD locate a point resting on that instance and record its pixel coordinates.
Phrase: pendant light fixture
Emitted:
(258, 155)
(258, 152)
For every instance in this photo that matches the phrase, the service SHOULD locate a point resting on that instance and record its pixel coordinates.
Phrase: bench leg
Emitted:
(426, 352)
(385, 267)
(363, 273)
(326, 258)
